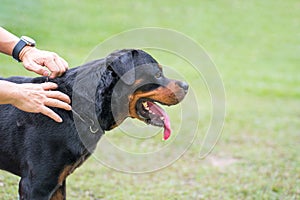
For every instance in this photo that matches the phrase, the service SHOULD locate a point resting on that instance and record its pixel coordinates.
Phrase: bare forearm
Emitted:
(32, 58)
(7, 92)
(7, 41)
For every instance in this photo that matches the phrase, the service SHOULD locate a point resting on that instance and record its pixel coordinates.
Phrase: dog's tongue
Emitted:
(163, 115)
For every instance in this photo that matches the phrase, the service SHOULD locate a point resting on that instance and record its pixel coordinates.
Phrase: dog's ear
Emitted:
(123, 66)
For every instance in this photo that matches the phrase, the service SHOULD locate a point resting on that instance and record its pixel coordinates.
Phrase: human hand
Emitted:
(36, 97)
(36, 60)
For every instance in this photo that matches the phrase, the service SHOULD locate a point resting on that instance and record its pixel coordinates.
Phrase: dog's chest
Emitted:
(69, 169)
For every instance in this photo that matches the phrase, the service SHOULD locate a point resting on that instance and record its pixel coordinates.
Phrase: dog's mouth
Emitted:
(153, 114)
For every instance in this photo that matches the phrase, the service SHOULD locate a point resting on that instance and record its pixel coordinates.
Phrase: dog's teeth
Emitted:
(145, 104)
(162, 118)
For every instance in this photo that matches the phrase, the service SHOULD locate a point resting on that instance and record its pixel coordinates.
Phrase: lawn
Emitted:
(255, 46)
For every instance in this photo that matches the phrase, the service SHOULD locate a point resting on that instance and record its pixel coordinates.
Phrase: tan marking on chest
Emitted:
(69, 169)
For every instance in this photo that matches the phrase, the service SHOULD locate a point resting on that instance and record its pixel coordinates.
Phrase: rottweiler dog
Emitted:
(126, 83)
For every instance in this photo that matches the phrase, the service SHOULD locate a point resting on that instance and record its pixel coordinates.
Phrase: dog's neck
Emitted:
(104, 81)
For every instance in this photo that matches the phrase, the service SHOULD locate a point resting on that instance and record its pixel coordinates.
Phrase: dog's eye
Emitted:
(158, 75)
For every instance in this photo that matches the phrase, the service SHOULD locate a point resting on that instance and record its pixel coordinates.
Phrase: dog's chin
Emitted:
(148, 111)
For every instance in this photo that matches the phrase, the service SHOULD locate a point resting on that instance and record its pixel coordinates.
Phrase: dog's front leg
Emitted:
(24, 188)
(41, 188)
(29, 191)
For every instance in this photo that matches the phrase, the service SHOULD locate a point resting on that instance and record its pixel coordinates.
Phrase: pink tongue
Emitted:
(159, 111)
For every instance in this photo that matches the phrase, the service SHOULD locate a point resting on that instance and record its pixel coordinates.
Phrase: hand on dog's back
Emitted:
(34, 98)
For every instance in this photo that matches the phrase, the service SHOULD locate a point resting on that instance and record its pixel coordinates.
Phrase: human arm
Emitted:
(32, 58)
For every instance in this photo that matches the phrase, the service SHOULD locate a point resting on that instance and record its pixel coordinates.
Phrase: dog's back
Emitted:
(21, 131)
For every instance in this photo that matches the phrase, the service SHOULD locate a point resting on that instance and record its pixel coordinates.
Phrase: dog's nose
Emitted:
(183, 85)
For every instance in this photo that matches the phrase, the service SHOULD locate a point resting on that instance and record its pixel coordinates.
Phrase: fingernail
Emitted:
(46, 73)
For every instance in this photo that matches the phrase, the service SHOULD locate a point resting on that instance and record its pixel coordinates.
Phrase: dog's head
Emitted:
(142, 85)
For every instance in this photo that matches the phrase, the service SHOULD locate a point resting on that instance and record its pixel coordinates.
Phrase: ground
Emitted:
(255, 46)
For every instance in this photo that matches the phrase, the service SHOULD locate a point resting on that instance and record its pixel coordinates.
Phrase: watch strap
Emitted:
(17, 49)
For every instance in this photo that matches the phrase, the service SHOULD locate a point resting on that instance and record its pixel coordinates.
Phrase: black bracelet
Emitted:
(17, 49)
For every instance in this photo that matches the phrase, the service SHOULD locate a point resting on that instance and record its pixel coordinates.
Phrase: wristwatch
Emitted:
(24, 41)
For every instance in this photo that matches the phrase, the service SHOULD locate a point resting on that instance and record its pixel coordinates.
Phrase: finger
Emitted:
(60, 65)
(31, 86)
(34, 67)
(65, 63)
(52, 66)
(57, 104)
(58, 95)
(47, 73)
(49, 86)
(50, 113)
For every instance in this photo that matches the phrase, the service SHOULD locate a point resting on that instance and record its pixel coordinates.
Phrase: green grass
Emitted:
(255, 45)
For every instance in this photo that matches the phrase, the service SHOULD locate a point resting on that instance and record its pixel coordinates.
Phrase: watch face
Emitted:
(28, 40)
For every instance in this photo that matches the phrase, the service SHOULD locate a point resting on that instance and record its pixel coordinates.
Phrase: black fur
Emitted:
(38, 149)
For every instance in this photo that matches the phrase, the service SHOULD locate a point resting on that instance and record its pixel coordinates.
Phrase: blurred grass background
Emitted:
(256, 47)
